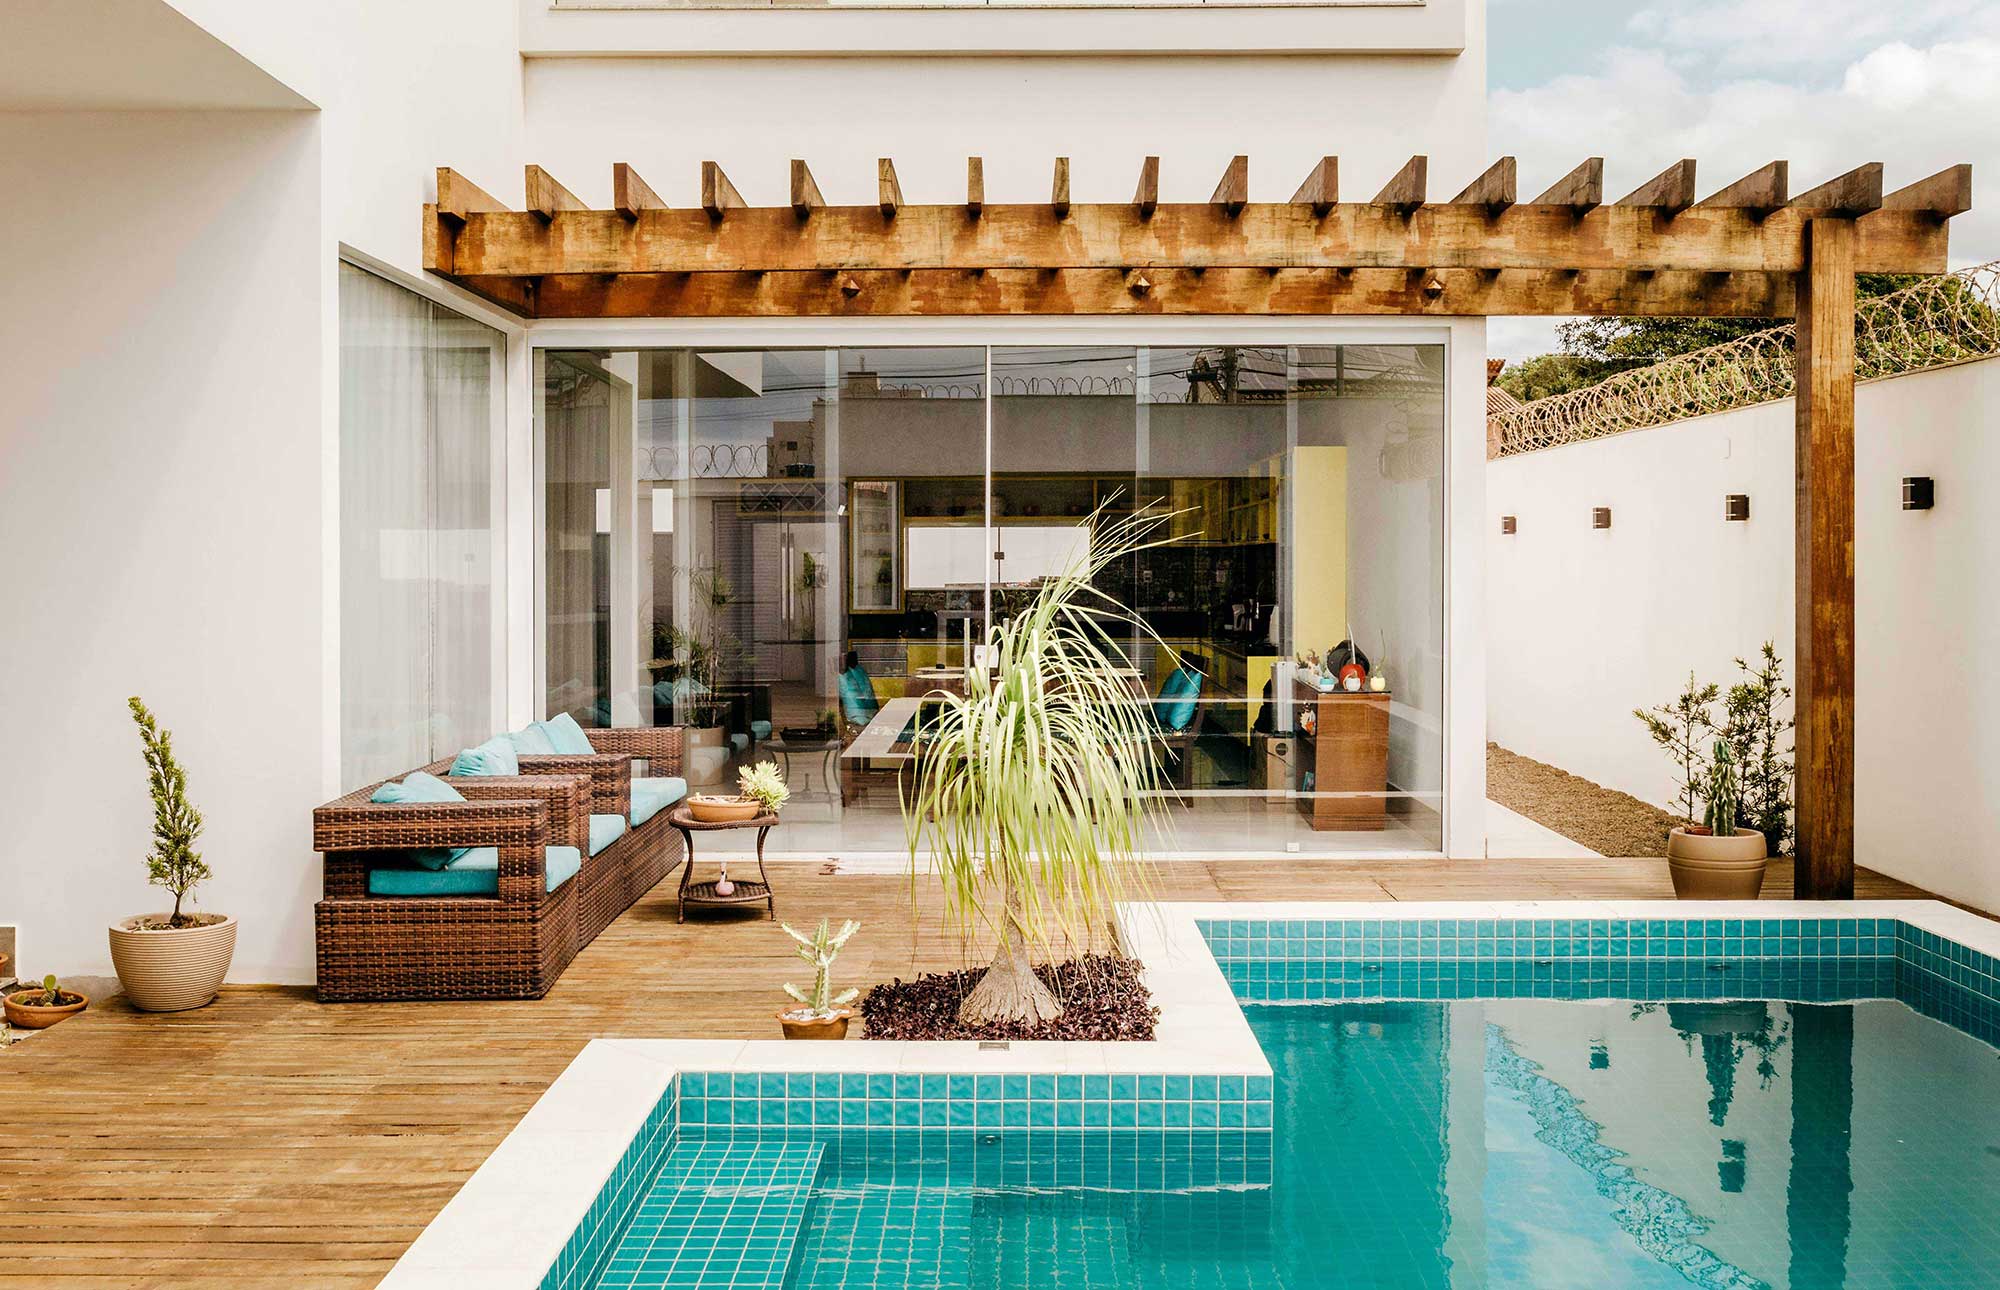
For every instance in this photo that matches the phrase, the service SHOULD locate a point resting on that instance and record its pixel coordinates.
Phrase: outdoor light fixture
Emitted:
(1919, 492)
(1506, 524)
(1736, 506)
(1600, 517)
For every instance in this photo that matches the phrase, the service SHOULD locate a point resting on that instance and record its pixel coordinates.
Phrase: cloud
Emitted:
(1916, 108)
(1772, 35)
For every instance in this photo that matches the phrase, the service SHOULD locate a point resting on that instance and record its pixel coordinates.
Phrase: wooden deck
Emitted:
(267, 1140)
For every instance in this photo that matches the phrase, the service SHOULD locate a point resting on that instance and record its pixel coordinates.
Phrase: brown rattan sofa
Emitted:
(515, 943)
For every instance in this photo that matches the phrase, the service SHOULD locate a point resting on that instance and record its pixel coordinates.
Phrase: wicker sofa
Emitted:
(512, 942)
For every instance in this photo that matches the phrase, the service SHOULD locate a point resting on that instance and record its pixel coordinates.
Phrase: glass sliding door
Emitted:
(782, 550)
(420, 648)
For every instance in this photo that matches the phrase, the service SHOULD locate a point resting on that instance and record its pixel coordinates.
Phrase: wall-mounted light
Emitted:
(1919, 492)
(1736, 506)
(1507, 524)
(1600, 517)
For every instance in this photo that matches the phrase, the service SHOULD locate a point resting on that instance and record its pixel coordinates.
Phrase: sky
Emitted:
(1826, 84)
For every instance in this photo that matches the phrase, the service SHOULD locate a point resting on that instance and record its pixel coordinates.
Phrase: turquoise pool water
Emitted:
(1490, 1142)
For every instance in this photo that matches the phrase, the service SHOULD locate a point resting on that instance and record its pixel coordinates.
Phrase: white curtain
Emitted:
(418, 528)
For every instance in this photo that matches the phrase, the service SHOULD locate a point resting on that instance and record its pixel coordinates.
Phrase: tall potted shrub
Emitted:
(1033, 790)
(1713, 857)
(171, 961)
(704, 652)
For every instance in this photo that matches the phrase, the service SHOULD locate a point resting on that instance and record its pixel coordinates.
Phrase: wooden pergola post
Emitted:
(1825, 563)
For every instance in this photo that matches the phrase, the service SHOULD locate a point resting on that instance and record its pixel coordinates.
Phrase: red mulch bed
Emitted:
(1102, 997)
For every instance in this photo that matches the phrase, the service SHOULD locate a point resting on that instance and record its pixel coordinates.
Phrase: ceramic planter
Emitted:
(834, 1027)
(723, 810)
(34, 1016)
(1706, 867)
(174, 969)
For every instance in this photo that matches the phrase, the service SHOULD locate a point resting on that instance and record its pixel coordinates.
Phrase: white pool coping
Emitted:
(510, 1221)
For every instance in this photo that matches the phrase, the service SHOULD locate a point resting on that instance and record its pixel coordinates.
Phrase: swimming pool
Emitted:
(1515, 1100)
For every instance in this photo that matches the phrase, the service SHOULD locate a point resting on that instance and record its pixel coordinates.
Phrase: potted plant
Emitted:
(177, 960)
(39, 1007)
(702, 651)
(821, 1013)
(1036, 788)
(1716, 859)
(760, 790)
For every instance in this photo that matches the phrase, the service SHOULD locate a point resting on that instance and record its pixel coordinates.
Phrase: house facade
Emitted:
(334, 516)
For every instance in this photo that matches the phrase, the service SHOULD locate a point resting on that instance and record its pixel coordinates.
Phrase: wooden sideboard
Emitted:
(1347, 754)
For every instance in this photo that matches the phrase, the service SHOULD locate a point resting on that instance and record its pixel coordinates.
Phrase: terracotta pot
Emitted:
(834, 1027)
(1706, 867)
(33, 1016)
(721, 810)
(175, 969)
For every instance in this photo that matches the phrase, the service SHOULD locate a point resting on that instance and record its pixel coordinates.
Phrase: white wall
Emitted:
(159, 510)
(1585, 625)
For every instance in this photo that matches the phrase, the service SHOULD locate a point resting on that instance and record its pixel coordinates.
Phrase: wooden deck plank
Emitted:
(269, 1140)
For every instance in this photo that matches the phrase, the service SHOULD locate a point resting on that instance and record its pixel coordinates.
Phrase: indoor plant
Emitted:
(1036, 788)
(703, 651)
(41, 1006)
(172, 961)
(821, 1013)
(1716, 859)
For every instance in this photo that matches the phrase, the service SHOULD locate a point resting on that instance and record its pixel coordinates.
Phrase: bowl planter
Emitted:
(806, 1027)
(1707, 867)
(723, 810)
(37, 1016)
(171, 969)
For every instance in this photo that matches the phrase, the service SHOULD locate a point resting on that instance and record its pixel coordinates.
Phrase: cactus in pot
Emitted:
(822, 1014)
(1722, 793)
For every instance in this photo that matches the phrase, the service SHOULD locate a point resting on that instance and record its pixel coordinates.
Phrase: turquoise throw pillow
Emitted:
(532, 741)
(421, 787)
(566, 735)
(857, 696)
(1176, 704)
(494, 757)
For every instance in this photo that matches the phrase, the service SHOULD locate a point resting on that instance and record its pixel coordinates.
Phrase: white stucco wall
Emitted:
(1585, 625)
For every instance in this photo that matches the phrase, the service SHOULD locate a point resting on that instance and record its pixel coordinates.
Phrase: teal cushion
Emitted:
(420, 787)
(653, 795)
(476, 873)
(494, 757)
(566, 735)
(1176, 703)
(857, 696)
(760, 730)
(532, 741)
(739, 741)
(604, 830)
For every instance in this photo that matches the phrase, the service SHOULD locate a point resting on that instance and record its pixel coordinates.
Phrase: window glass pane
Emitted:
(417, 528)
(580, 399)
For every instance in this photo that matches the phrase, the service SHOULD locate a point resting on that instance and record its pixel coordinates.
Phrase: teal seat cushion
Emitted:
(760, 730)
(857, 697)
(567, 736)
(1176, 704)
(420, 787)
(739, 741)
(604, 830)
(476, 873)
(532, 741)
(652, 795)
(494, 757)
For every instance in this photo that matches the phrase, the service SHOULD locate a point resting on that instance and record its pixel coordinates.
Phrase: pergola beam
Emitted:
(1186, 235)
(888, 189)
(1760, 192)
(718, 195)
(1404, 193)
(1059, 189)
(1495, 190)
(1232, 194)
(1941, 196)
(1581, 191)
(805, 191)
(458, 197)
(1670, 192)
(1321, 189)
(1146, 198)
(1857, 192)
(1159, 291)
(546, 197)
(975, 186)
(631, 194)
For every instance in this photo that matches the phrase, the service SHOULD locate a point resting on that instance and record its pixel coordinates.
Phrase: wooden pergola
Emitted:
(1750, 250)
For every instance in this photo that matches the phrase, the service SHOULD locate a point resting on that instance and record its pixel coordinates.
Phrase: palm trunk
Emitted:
(1010, 990)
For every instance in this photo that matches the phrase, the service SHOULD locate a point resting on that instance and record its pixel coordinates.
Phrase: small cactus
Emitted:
(1722, 793)
(820, 949)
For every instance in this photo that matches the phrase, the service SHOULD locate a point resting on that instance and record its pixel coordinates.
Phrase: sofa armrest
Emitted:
(658, 745)
(569, 799)
(610, 778)
(407, 826)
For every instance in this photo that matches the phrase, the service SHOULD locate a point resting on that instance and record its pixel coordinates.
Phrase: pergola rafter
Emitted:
(1751, 249)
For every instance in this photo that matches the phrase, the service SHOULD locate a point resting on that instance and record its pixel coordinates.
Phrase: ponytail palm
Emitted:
(1034, 790)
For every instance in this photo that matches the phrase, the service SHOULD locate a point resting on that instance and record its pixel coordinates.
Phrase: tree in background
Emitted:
(1596, 349)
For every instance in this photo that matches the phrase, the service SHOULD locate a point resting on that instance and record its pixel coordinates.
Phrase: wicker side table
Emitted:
(703, 893)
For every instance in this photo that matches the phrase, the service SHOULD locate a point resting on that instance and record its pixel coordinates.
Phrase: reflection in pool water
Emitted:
(1496, 1143)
